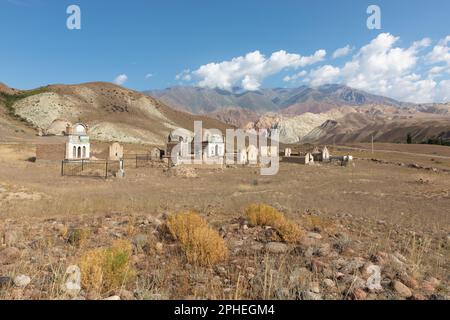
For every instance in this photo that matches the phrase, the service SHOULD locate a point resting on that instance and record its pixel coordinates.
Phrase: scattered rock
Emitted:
(401, 289)
(354, 265)
(250, 270)
(433, 281)
(276, 247)
(221, 271)
(314, 235)
(430, 284)
(309, 253)
(159, 247)
(113, 298)
(308, 295)
(22, 281)
(329, 283)
(418, 296)
(359, 294)
(380, 257)
(318, 266)
(314, 287)
(256, 247)
(300, 275)
(354, 282)
(409, 281)
(126, 295)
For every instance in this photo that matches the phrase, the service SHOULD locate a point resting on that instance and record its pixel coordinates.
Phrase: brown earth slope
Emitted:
(360, 127)
(112, 112)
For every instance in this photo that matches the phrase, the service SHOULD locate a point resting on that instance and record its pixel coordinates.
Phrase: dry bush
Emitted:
(78, 237)
(265, 215)
(201, 244)
(91, 266)
(106, 269)
(319, 223)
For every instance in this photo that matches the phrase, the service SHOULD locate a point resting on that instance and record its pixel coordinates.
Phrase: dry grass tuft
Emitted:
(78, 237)
(91, 266)
(319, 223)
(201, 244)
(265, 215)
(106, 269)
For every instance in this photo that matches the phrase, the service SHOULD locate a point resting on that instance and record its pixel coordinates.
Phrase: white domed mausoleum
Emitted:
(78, 146)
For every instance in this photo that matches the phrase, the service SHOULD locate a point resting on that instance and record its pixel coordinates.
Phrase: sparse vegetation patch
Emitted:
(201, 244)
(265, 215)
(106, 269)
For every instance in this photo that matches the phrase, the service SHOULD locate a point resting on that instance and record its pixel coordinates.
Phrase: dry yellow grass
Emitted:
(201, 244)
(319, 223)
(78, 237)
(106, 269)
(91, 266)
(265, 215)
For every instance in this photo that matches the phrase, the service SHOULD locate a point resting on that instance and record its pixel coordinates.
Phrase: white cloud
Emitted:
(415, 73)
(295, 76)
(148, 75)
(342, 52)
(250, 70)
(185, 75)
(440, 52)
(324, 75)
(383, 68)
(443, 91)
(121, 79)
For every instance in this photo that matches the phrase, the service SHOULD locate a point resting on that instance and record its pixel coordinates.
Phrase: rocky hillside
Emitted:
(334, 259)
(360, 127)
(113, 113)
(291, 101)
(236, 116)
(358, 124)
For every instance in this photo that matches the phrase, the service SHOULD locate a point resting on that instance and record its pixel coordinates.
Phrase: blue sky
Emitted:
(139, 38)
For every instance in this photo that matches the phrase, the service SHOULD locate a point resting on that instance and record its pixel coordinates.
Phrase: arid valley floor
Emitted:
(387, 209)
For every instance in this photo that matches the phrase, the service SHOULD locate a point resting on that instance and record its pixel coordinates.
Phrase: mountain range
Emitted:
(289, 101)
(330, 113)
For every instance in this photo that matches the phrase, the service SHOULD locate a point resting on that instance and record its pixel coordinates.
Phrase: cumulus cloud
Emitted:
(250, 70)
(440, 52)
(416, 72)
(121, 79)
(383, 68)
(323, 75)
(342, 52)
(295, 76)
(148, 75)
(443, 91)
(185, 75)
